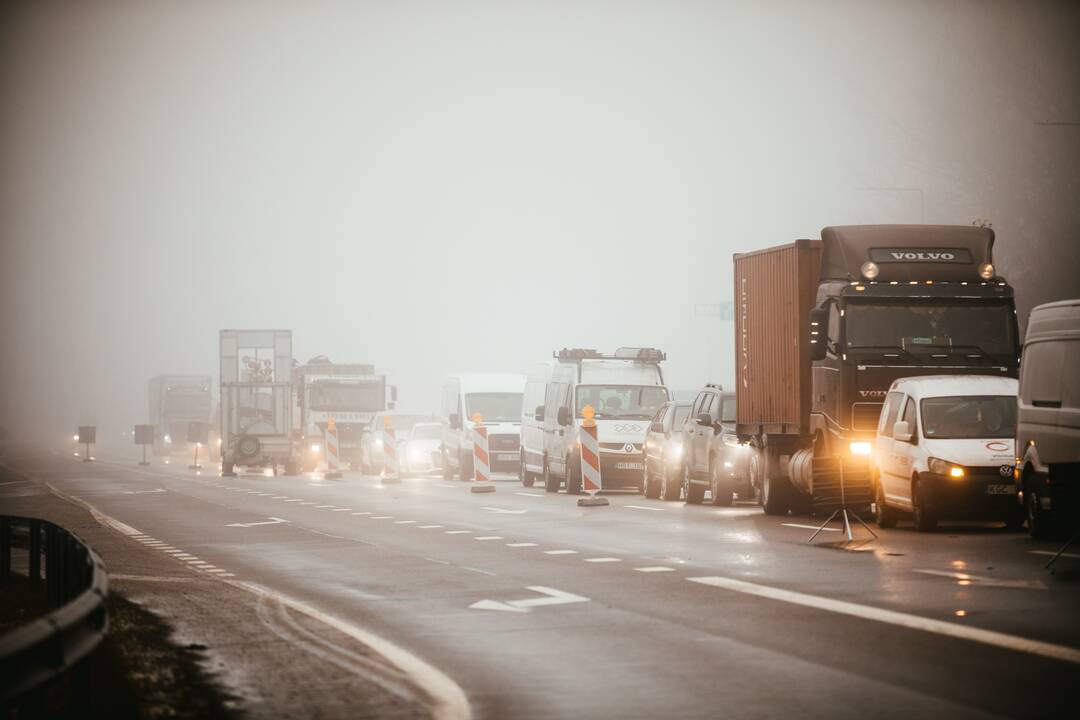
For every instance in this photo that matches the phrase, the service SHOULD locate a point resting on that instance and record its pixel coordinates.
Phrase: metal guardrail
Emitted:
(55, 644)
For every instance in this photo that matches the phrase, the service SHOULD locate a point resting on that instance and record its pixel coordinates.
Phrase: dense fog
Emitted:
(441, 186)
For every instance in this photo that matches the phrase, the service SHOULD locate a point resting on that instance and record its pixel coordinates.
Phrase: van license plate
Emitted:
(506, 457)
(629, 466)
(1001, 489)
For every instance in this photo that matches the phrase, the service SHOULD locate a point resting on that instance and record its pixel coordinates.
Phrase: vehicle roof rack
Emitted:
(635, 354)
(715, 386)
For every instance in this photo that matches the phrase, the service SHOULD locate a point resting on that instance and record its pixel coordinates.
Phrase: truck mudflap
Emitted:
(841, 482)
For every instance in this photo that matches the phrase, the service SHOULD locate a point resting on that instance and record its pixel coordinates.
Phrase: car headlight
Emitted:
(860, 447)
(676, 450)
(946, 468)
(316, 447)
(168, 438)
(378, 442)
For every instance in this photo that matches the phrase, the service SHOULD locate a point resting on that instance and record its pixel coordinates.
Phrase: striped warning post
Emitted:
(391, 468)
(481, 463)
(590, 459)
(333, 464)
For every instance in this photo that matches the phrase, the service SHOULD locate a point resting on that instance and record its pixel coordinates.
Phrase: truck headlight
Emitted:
(869, 270)
(986, 271)
(946, 468)
(859, 447)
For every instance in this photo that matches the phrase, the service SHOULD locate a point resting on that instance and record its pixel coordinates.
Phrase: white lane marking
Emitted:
(228, 574)
(341, 510)
(295, 500)
(217, 570)
(892, 617)
(268, 495)
(504, 511)
(488, 537)
(445, 485)
(458, 532)
(1054, 552)
(643, 507)
(655, 568)
(279, 497)
(603, 559)
(323, 507)
(362, 513)
(429, 527)
(270, 521)
(404, 522)
(189, 558)
(560, 552)
(307, 503)
(521, 544)
(967, 579)
(175, 552)
(525, 494)
(551, 596)
(142, 492)
(382, 517)
(811, 527)
(477, 570)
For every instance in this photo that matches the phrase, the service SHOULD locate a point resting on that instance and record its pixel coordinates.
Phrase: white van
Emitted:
(625, 390)
(1048, 427)
(532, 422)
(497, 397)
(944, 449)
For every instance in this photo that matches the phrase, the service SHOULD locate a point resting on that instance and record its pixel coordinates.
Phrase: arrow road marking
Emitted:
(551, 596)
(271, 521)
(504, 511)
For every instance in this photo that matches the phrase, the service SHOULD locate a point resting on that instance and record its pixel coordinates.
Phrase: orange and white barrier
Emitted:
(591, 480)
(333, 462)
(391, 465)
(481, 456)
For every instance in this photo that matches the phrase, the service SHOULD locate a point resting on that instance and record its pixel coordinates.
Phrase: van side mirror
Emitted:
(901, 431)
(819, 333)
(704, 419)
(563, 417)
(393, 393)
(538, 414)
(455, 421)
(656, 427)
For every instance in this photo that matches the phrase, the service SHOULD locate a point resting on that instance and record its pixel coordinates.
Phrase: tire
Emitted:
(773, 493)
(883, 514)
(651, 485)
(447, 471)
(692, 494)
(551, 482)
(527, 478)
(669, 489)
(920, 514)
(573, 477)
(722, 492)
(1039, 522)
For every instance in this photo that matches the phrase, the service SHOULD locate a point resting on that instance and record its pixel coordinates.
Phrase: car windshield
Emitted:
(495, 407)
(356, 398)
(983, 329)
(622, 401)
(427, 432)
(990, 416)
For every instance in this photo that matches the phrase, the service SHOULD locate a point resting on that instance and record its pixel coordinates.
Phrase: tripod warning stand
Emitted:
(833, 489)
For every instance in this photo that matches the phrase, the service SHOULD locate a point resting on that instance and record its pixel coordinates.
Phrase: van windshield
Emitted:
(495, 407)
(622, 401)
(989, 416)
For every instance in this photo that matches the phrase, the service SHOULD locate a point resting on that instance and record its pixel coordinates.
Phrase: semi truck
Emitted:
(350, 393)
(176, 401)
(256, 401)
(822, 329)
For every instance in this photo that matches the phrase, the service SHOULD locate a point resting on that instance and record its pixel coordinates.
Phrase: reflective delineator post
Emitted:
(333, 464)
(481, 465)
(391, 470)
(590, 460)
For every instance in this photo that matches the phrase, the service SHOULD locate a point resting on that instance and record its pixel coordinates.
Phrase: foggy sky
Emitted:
(448, 186)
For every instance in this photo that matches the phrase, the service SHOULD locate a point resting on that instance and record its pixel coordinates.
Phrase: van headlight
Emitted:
(946, 468)
(859, 447)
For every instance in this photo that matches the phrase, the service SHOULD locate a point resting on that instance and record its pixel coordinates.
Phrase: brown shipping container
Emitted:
(775, 289)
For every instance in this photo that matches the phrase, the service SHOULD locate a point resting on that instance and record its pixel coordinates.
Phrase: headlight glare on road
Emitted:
(859, 447)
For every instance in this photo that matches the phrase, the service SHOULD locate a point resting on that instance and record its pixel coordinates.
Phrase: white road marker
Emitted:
(341, 510)
(521, 544)
(295, 500)
(382, 517)
(448, 485)
(279, 497)
(323, 507)
(404, 522)
(458, 532)
(504, 511)
(980, 580)
(655, 568)
(551, 597)
(429, 527)
(362, 513)
(271, 521)
(560, 552)
(811, 527)
(892, 617)
(603, 559)
(525, 494)
(488, 537)
(643, 507)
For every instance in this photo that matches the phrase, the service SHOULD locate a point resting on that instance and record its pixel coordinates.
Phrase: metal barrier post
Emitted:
(5, 549)
(35, 554)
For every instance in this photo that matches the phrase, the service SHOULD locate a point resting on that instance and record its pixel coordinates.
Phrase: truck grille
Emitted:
(864, 415)
(503, 443)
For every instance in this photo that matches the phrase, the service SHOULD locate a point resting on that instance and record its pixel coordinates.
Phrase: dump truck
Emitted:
(256, 401)
(176, 401)
(823, 327)
(350, 393)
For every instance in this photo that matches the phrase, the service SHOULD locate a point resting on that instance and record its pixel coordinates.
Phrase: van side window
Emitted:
(909, 417)
(551, 399)
(1041, 372)
(661, 416)
(834, 328)
(889, 413)
(698, 402)
(711, 406)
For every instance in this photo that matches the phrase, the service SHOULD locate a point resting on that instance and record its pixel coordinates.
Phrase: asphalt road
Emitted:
(537, 608)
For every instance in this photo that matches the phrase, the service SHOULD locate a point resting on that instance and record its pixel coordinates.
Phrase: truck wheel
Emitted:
(573, 477)
(922, 516)
(722, 492)
(774, 495)
(527, 478)
(670, 487)
(551, 482)
(692, 494)
(651, 486)
(883, 514)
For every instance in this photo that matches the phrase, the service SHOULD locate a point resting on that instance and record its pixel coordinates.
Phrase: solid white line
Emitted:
(892, 617)
(655, 568)
(603, 559)
(643, 507)
(522, 544)
(560, 552)
(488, 537)
(458, 532)
(811, 527)
(1053, 552)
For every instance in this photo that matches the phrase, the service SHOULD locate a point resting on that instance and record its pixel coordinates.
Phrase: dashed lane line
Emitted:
(382, 517)
(893, 617)
(458, 532)
(341, 510)
(525, 494)
(655, 569)
(644, 507)
(603, 559)
(560, 552)
(362, 513)
(488, 537)
(429, 527)
(404, 522)
(521, 544)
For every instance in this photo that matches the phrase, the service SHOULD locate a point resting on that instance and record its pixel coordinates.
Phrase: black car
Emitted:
(713, 457)
(663, 452)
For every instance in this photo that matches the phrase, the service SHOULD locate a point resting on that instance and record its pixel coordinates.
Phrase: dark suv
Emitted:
(713, 457)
